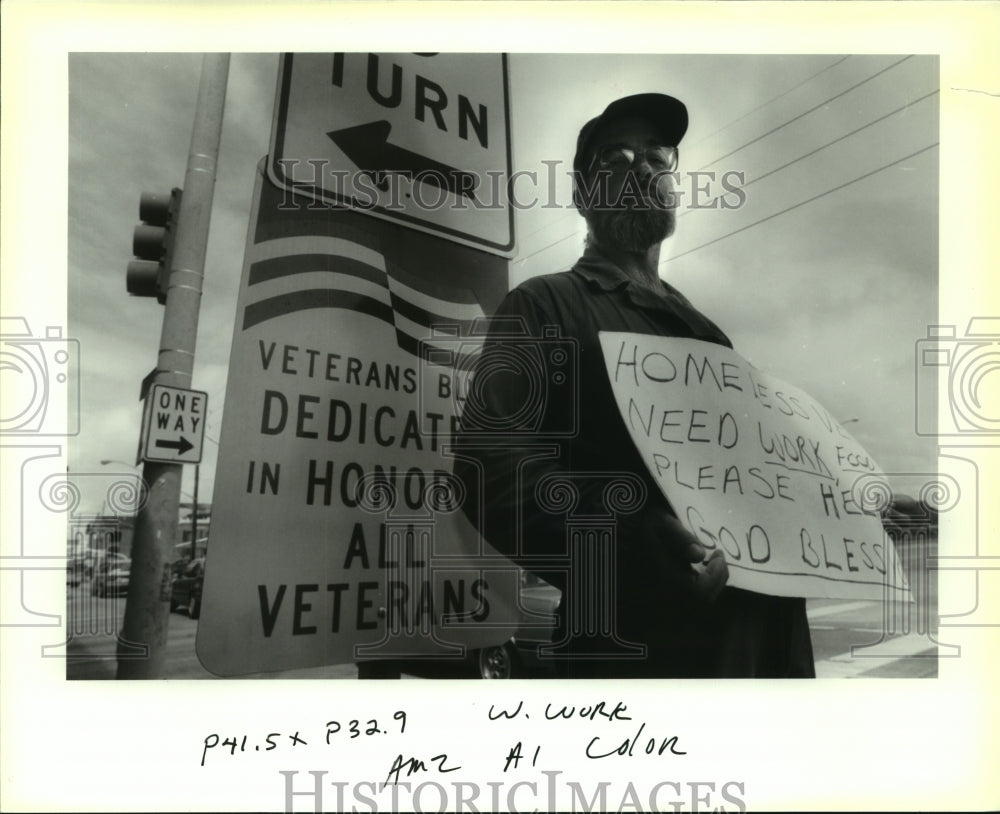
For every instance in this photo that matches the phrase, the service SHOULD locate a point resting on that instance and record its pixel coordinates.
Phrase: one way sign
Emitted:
(173, 425)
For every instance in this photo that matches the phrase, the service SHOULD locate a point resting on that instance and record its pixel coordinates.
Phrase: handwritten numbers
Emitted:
(239, 744)
(346, 730)
(355, 728)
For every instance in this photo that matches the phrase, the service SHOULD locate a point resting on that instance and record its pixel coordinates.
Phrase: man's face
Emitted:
(628, 207)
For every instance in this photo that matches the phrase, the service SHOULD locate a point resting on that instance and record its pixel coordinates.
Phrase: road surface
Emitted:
(851, 639)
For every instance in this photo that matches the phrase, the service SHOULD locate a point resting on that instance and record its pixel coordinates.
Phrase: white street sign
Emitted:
(420, 139)
(173, 425)
(339, 532)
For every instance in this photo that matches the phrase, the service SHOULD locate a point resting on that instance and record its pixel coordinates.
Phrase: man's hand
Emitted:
(712, 575)
(666, 533)
(904, 511)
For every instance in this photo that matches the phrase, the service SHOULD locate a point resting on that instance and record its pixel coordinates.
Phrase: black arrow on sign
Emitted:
(182, 446)
(367, 145)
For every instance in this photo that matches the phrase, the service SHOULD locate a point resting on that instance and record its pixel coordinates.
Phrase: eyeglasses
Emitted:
(661, 159)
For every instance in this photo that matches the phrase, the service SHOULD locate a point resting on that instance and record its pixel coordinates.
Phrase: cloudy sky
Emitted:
(826, 275)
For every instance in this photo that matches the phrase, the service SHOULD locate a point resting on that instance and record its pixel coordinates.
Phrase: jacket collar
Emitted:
(602, 273)
(608, 276)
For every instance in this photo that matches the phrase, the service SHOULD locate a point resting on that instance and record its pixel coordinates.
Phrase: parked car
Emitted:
(76, 569)
(515, 658)
(90, 560)
(185, 589)
(518, 656)
(110, 575)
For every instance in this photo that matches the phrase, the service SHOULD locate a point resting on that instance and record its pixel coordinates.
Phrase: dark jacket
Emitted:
(533, 419)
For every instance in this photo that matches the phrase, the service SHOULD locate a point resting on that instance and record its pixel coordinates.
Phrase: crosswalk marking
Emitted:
(842, 607)
(909, 654)
(850, 665)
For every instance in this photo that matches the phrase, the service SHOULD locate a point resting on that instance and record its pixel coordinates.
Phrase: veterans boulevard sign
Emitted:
(420, 139)
(338, 533)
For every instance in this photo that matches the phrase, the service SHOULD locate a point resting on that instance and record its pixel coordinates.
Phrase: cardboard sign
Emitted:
(755, 467)
(337, 534)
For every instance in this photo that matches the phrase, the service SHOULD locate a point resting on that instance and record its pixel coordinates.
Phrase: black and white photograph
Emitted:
(609, 372)
(803, 218)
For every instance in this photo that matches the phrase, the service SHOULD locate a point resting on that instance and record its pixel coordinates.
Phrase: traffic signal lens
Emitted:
(149, 242)
(154, 208)
(153, 242)
(141, 278)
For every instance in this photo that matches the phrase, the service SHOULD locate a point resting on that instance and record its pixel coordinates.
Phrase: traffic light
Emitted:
(153, 243)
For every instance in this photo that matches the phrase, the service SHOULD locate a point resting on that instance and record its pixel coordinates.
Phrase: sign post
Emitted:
(147, 608)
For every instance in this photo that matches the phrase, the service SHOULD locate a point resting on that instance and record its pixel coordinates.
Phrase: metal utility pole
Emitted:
(147, 609)
(194, 515)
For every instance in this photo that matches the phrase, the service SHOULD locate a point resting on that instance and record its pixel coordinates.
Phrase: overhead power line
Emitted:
(772, 172)
(805, 113)
(563, 217)
(548, 246)
(762, 105)
(841, 138)
(726, 126)
(803, 203)
(831, 143)
(798, 117)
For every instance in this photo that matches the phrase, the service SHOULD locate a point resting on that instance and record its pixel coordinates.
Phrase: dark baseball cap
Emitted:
(667, 114)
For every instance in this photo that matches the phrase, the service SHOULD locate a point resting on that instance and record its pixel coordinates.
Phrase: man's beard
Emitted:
(632, 230)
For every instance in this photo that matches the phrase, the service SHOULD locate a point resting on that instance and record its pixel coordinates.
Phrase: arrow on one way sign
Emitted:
(182, 445)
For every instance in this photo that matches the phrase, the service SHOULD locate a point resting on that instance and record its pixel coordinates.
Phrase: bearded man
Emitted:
(646, 601)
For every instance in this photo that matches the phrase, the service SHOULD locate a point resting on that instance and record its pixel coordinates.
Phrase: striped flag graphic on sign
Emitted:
(345, 267)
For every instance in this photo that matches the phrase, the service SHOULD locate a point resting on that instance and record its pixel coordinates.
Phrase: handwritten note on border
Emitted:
(755, 467)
